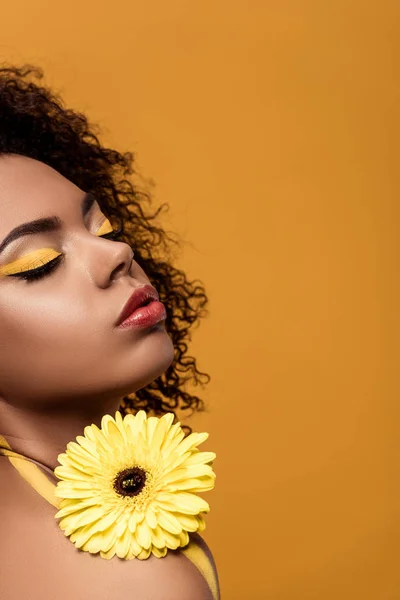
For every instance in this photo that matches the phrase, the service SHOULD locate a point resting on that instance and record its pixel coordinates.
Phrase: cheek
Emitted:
(35, 317)
(44, 344)
(34, 329)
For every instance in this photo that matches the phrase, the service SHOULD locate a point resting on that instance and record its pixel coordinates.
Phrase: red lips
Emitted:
(141, 296)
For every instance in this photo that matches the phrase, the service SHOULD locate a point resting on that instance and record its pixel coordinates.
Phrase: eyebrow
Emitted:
(44, 225)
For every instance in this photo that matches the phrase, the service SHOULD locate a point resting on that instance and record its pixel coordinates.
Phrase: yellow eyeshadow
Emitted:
(37, 258)
(29, 261)
(105, 228)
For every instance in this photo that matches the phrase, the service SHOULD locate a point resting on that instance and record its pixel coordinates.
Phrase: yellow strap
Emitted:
(199, 558)
(30, 472)
(38, 480)
(4, 444)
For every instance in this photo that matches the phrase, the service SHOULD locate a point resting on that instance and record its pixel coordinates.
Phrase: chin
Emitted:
(159, 362)
(154, 358)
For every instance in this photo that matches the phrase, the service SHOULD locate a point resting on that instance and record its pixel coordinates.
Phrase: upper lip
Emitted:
(140, 296)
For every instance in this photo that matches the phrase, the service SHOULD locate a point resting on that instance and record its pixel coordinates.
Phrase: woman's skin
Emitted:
(63, 365)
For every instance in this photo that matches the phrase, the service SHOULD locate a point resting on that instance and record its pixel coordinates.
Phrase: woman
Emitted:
(78, 254)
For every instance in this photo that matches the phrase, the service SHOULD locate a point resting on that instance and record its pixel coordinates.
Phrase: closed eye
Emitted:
(46, 268)
(39, 272)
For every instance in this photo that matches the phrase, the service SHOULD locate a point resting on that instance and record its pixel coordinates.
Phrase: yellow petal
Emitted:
(68, 530)
(88, 466)
(113, 433)
(135, 425)
(109, 518)
(183, 502)
(118, 417)
(81, 536)
(174, 432)
(193, 486)
(89, 433)
(144, 554)
(74, 505)
(168, 419)
(172, 541)
(78, 459)
(74, 447)
(72, 472)
(122, 525)
(123, 544)
(158, 537)
(173, 439)
(103, 444)
(67, 524)
(200, 457)
(191, 472)
(88, 515)
(201, 523)
(120, 424)
(73, 493)
(133, 521)
(93, 528)
(168, 522)
(200, 484)
(197, 486)
(174, 461)
(151, 518)
(128, 423)
(151, 426)
(105, 420)
(159, 553)
(160, 432)
(188, 522)
(82, 484)
(141, 450)
(135, 548)
(194, 439)
(93, 545)
(88, 446)
(143, 535)
(108, 538)
(108, 555)
(184, 538)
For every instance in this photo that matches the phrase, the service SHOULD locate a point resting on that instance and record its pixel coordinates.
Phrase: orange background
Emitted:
(272, 130)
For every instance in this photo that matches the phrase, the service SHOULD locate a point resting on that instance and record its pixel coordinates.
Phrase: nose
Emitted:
(120, 262)
(107, 260)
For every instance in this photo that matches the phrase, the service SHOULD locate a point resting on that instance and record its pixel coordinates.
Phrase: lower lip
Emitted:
(145, 316)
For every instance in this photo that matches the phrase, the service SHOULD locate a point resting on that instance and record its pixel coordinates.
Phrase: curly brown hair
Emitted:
(35, 123)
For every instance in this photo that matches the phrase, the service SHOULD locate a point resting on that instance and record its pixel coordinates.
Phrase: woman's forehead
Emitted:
(30, 189)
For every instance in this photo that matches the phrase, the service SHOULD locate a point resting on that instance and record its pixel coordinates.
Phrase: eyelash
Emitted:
(49, 267)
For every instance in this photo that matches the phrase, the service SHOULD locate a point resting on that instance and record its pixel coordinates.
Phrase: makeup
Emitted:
(38, 258)
(33, 260)
(105, 228)
(145, 316)
(142, 309)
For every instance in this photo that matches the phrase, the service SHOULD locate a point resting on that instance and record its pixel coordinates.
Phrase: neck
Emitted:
(42, 435)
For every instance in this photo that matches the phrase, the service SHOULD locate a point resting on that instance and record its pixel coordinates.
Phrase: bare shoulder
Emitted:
(31, 537)
(174, 577)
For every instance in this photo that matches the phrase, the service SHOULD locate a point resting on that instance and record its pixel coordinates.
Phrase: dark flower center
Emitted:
(130, 482)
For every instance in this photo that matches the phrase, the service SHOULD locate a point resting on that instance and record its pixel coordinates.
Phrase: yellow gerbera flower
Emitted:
(130, 487)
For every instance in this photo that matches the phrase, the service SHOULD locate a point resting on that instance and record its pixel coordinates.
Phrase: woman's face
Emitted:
(58, 338)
